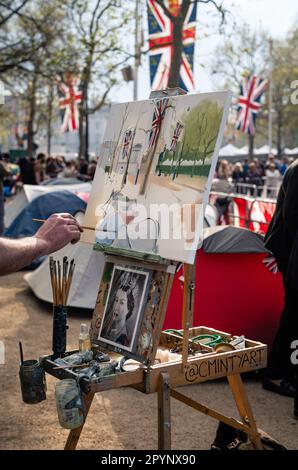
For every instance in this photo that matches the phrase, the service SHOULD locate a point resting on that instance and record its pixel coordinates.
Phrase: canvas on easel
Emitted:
(154, 175)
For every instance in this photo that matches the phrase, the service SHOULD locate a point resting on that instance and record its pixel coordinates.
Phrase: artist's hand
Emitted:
(56, 232)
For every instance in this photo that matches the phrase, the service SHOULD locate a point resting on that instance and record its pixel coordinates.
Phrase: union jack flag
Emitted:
(70, 96)
(176, 136)
(128, 138)
(249, 103)
(161, 44)
(158, 115)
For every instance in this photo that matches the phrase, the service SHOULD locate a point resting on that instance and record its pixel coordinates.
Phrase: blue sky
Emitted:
(275, 17)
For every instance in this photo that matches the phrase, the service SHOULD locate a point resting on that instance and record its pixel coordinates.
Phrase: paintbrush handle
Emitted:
(71, 366)
(83, 227)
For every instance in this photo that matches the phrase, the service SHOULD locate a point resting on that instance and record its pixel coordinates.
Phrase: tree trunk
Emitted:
(49, 118)
(81, 127)
(177, 49)
(83, 122)
(279, 134)
(251, 140)
(86, 124)
(32, 110)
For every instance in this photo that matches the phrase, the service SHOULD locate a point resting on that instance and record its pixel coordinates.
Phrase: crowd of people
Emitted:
(254, 178)
(37, 170)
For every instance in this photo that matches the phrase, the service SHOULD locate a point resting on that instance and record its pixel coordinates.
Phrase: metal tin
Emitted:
(224, 347)
(33, 382)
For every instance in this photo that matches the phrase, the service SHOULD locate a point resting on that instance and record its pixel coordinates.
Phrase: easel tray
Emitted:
(203, 364)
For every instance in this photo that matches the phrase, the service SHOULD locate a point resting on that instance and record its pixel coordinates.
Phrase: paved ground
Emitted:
(119, 419)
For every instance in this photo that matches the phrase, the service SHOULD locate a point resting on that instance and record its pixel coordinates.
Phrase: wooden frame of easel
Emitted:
(164, 378)
(162, 385)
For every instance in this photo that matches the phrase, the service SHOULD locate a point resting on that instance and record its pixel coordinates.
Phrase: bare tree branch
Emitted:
(13, 11)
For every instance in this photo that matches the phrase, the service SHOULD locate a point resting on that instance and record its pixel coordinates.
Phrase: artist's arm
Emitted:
(55, 233)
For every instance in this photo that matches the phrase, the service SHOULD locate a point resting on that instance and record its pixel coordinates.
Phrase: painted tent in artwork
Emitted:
(154, 174)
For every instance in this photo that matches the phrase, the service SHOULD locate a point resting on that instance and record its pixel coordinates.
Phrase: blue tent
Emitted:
(41, 208)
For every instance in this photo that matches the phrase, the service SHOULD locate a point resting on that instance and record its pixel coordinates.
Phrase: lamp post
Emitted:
(270, 97)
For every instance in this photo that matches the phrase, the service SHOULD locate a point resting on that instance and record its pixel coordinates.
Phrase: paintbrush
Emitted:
(21, 352)
(65, 265)
(81, 227)
(69, 279)
(71, 366)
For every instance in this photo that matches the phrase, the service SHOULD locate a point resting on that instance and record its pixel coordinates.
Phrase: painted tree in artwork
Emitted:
(200, 133)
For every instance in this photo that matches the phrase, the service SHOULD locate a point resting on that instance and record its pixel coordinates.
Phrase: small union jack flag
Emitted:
(249, 103)
(161, 44)
(69, 97)
(270, 263)
(158, 115)
(176, 136)
(128, 138)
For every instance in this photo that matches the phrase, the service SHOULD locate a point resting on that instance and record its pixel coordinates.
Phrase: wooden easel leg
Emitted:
(74, 434)
(164, 412)
(244, 408)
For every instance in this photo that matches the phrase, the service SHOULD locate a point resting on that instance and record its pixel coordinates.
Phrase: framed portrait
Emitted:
(124, 307)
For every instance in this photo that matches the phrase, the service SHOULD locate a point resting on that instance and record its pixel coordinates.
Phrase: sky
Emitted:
(277, 18)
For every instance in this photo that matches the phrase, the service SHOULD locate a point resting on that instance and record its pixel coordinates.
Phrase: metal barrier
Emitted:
(246, 189)
(245, 211)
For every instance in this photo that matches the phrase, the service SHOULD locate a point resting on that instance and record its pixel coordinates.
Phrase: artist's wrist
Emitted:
(42, 246)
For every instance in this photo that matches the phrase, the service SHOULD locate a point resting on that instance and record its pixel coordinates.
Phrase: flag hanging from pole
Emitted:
(249, 103)
(69, 97)
(161, 44)
(176, 135)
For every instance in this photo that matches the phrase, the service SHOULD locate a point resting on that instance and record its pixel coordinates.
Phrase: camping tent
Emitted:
(41, 208)
(30, 192)
(235, 291)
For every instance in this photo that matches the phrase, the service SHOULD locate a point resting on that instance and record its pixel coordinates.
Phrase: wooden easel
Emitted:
(165, 392)
(165, 378)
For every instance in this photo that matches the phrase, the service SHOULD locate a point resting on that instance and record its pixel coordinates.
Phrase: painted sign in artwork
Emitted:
(154, 174)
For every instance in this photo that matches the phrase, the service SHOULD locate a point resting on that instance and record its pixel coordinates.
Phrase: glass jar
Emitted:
(69, 403)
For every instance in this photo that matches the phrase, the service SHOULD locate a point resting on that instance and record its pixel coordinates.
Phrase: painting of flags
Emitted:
(177, 132)
(249, 103)
(128, 138)
(158, 115)
(147, 198)
(69, 97)
(161, 46)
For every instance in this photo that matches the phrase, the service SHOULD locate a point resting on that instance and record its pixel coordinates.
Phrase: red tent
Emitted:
(235, 292)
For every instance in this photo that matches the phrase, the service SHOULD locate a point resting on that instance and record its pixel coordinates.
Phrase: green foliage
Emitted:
(248, 51)
(200, 132)
(199, 170)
